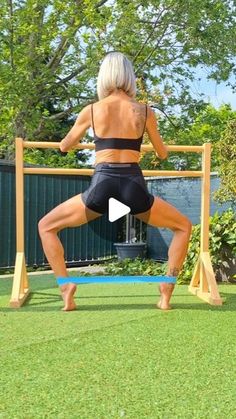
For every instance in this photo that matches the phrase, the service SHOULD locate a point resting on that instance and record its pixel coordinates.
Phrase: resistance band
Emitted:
(115, 279)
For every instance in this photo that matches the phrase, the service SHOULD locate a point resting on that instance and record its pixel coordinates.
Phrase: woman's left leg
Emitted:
(162, 214)
(71, 213)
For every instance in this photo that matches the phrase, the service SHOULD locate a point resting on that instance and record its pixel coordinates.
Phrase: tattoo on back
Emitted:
(139, 111)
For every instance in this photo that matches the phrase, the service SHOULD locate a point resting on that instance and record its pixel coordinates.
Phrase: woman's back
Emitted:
(119, 123)
(117, 117)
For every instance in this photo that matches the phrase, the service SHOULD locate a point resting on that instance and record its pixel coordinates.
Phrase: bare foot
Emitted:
(166, 292)
(67, 292)
(163, 306)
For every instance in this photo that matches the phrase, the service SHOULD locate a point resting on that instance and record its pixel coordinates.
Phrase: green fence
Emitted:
(87, 243)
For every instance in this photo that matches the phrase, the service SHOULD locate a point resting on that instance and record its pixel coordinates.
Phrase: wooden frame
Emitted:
(203, 283)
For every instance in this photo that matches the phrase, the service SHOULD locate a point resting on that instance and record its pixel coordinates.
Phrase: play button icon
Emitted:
(116, 209)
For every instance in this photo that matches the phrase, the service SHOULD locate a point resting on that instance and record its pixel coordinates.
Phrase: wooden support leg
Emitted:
(20, 289)
(203, 283)
(210, 280)
(196, 274)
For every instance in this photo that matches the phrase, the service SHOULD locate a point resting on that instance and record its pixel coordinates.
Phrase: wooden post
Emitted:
(203, 283)
(20, 289)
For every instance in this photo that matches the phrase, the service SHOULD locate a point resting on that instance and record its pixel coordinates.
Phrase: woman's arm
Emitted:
(78, 130)
(154, 135)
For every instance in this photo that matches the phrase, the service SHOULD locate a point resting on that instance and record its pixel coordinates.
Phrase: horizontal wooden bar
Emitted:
(91, 146)
(89, 172)
(178, 173)
(57, 171)
(176, 148)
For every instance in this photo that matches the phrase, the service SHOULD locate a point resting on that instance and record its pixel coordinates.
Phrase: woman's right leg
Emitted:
(162, 214)
(71, 213)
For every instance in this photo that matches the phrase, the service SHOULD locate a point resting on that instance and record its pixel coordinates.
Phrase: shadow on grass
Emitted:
(6, 286)
(117, 307)
(42, 305)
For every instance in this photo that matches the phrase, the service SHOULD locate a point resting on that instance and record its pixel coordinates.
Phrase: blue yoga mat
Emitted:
(114, 279)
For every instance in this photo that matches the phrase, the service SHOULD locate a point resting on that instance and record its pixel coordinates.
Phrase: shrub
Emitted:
(135, 266)
(222, 240)
(222, 237)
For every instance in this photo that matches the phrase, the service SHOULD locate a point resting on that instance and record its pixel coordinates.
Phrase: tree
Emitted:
(226, 148)
(207, 126)
(51, 52)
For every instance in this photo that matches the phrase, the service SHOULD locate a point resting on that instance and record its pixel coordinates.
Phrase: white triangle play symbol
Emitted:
(116, 209)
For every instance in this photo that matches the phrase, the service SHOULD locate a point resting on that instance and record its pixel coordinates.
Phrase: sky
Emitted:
(216, 94)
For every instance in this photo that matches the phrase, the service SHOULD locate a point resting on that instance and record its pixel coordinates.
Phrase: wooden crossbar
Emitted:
(203, 283)
(91, 146)
(89, 172)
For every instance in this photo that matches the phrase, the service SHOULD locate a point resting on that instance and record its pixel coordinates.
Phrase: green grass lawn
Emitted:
(117, 356)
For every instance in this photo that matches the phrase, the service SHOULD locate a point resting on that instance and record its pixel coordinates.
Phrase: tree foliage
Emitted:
(226, 149)
(51, 52)
(207, 127)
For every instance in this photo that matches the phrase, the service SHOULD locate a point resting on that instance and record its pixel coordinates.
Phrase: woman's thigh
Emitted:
(163, 214)
(71, 213)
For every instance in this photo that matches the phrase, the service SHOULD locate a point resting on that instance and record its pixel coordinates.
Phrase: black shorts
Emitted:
(122, 181)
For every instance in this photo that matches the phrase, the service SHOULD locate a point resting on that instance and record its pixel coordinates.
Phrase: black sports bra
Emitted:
(117, 143)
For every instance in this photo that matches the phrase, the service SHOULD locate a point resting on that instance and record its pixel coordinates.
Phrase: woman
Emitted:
(119, 123)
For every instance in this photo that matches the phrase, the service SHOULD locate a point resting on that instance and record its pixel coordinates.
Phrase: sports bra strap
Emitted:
(145, 120)
(92, 118)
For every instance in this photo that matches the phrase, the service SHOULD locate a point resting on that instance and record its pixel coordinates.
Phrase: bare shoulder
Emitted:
(86, 110)
(140, 108)
(151, 117)
(150, 112)
(99, 103)
(84, 114)
(143, 107)
(99, 107)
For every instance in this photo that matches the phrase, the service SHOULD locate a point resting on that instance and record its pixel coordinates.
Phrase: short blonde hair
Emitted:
(116, 72)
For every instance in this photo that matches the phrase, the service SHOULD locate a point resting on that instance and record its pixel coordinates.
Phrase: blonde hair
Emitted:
(116, 72)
